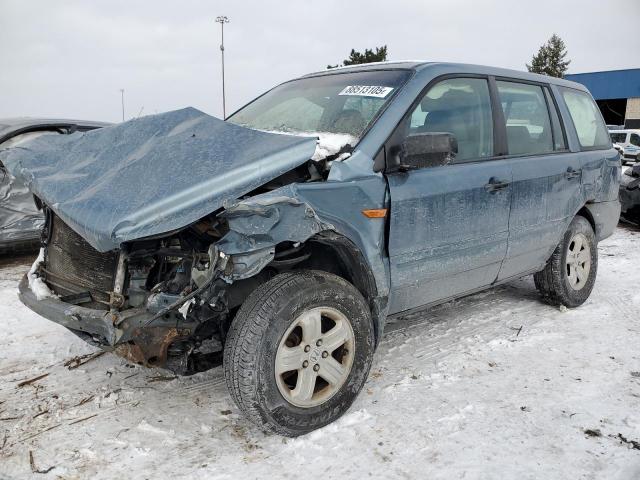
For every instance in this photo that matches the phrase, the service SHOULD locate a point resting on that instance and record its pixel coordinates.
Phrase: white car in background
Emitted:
(629, 141)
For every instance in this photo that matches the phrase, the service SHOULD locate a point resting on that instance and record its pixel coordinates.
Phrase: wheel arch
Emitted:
(603, 217)
(337, 254)
(586, 213)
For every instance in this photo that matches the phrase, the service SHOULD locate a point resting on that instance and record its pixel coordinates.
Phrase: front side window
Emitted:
(634, 139)
(527, 118)
(591, 130)
(344, 103)
(462, 107)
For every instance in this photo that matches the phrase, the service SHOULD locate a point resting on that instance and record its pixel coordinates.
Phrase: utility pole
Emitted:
(222, 20)
(122, 100)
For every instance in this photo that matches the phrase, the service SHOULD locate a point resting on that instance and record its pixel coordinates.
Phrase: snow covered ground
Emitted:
(493, 386)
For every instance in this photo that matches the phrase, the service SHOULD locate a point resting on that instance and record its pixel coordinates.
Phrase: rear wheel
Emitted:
(299, 351)
(570, 273)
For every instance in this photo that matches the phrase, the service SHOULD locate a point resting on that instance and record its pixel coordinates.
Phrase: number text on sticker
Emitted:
(367, 90)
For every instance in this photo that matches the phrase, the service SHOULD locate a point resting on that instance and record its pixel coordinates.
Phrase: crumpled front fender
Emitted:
(258, 224)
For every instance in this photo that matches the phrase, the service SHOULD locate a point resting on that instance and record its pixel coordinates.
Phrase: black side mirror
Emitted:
(423, 150)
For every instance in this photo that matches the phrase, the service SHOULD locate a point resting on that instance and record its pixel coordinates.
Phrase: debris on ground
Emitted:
(632, 443)
(31, 380)
(32, 463)
(78, 361)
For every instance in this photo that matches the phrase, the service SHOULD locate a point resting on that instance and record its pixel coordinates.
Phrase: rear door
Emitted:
(546, 191)
(449, 224)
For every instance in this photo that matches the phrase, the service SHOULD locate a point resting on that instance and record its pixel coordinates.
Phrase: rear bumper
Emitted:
(96, 323)
(606, 216)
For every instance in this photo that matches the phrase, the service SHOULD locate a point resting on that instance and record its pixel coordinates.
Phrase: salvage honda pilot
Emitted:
(279, 241)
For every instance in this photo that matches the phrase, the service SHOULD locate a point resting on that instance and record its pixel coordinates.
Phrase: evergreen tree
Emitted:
(550, 59)
(356, 58)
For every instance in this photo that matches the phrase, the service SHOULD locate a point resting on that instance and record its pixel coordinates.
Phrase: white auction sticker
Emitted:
(367, 90)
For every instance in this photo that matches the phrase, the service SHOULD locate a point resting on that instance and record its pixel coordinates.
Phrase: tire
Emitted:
(560, 282)
(256, 345)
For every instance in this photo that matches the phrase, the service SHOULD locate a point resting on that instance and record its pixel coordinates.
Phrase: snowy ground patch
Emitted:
(495, 385)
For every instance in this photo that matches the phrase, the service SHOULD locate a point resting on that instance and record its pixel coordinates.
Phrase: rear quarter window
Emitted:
(591, 130)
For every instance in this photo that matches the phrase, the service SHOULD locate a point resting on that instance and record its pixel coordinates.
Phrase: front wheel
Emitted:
(298, 352)
(570, 273)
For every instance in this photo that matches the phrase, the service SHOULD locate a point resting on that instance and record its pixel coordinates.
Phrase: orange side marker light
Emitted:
(375, 213)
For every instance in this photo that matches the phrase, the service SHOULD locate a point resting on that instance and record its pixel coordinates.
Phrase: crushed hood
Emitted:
(151, 175)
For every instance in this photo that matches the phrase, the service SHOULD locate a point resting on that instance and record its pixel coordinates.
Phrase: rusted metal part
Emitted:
(148, 346)
(116, 300)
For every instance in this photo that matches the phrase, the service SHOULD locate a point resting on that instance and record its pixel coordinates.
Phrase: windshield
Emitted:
(344, 103)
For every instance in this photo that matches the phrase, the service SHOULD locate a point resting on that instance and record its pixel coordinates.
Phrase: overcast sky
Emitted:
(71, 58)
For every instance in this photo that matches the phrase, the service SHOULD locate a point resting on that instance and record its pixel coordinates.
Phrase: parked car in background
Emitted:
(20, 219)
(629, 140)
(630, 194)
(284, 237)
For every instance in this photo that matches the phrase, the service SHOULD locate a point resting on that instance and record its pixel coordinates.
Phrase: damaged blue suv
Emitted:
(279, 241)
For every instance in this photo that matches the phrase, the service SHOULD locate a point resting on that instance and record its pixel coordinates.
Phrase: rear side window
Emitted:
(559, 142)
(634, 139)
(462, 107)
(527, 118)
(619, 137)
(591, 130)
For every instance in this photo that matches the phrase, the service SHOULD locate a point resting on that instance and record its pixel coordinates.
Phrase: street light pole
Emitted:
(122, 100)
(222, 20)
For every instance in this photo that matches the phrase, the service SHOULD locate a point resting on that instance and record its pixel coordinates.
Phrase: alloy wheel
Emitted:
(314, 357)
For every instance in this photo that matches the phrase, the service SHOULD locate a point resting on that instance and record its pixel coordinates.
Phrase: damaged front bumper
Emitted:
(127, 333)
(97, 324)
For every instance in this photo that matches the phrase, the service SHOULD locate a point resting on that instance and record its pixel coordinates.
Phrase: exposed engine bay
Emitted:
(171, 299)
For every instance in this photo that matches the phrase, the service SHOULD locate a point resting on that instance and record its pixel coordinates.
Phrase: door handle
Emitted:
(495, 185)
(571, 173)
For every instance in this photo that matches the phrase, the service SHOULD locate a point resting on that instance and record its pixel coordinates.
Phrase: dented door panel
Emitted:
(601, 172)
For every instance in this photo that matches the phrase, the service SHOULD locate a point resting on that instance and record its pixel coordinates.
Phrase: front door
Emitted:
(449, 224)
